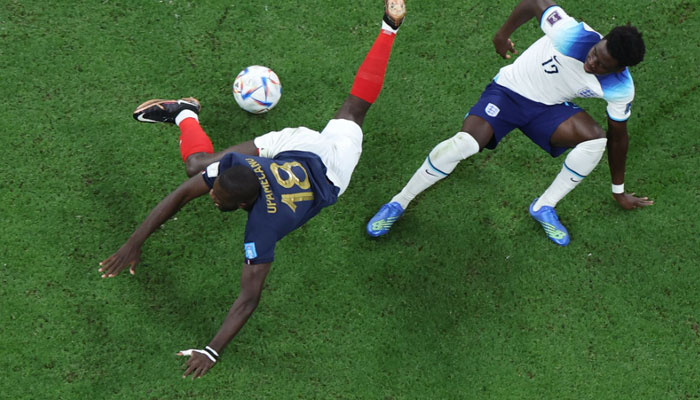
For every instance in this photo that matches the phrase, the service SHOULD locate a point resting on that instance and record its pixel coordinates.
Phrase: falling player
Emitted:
(281, 179)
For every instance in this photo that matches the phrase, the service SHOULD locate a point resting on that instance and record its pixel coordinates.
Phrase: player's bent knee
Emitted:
(467, 145)
(598, 133)
(192, 171)
(456, 148)
(594, 145)
(194, 165)
(592, 133)
(585, 156)
(447, 154)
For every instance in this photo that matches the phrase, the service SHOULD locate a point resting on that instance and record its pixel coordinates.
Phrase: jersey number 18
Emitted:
(292, 180)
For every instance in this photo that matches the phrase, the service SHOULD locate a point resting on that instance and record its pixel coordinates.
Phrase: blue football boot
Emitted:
(547, 217)
(386, 216)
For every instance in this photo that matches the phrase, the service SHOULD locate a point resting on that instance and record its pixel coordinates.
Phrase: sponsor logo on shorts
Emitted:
(492, 110)
(628, 108)
(250, 251)
(553, 18)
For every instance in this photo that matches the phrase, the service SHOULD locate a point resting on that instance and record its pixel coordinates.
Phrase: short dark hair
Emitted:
(626, 45)
(240, 184)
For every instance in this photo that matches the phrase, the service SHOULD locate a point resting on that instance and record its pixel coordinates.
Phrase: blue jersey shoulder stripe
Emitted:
(576, 41)
(617, 86)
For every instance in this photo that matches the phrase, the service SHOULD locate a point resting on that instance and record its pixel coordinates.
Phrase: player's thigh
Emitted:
(578, 128)
(479, 129)
(353, 109)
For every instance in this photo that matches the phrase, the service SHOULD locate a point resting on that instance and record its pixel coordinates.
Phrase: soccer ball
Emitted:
(257, 89)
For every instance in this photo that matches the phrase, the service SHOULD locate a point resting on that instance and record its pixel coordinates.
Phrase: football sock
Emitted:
(370, 76)
(441, 161)
(387, 27)
(192, 136)
(578, 164)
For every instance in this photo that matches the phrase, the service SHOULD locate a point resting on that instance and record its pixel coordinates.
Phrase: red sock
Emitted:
(193, 139)
(370, 77)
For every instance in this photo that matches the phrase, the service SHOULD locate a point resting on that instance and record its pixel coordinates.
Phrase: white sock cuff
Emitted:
(386, 27)
(184, 114)
(467, 144)
(447, 154)
(585, 156)
(594, 145)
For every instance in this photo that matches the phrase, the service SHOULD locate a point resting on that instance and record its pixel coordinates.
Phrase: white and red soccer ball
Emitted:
(257, 89)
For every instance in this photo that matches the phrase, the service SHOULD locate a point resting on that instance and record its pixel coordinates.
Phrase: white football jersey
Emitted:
(551, 70)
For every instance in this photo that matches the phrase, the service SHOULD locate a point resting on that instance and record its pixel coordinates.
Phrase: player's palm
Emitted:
(629, 201)
(197, 365)
(128, 254)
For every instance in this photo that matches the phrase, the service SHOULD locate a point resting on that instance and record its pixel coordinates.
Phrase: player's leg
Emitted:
(441, 161)
(195, 146)
(588, 140)
(370, 76)
(195, 162)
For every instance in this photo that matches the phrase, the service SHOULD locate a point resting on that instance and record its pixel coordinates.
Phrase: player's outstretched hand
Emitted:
(198, 364)
(504, 45)
(629, 201)
(128, 254)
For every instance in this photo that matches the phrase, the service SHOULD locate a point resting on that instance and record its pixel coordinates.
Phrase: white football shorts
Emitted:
(339, 146)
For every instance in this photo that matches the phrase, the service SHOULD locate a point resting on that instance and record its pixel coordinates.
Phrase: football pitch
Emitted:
(465, 299)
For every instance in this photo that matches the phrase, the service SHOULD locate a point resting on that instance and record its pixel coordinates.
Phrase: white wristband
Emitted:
(213, 357)
(618, 189)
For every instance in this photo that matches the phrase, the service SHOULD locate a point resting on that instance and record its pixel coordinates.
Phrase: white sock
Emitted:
(441, 161)
(386, 27)
(185, 114)
(578, 164)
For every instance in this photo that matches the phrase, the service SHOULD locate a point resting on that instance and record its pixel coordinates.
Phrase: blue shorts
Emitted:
(506, 110)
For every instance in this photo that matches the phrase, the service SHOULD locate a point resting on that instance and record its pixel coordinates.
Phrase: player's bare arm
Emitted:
(130, 252)
(523, 12)
(277, 193)
(618, 142)
(196, 162)
(252, 280)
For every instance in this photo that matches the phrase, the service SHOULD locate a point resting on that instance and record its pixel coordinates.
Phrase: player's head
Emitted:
(622, 47)
(235, 188)
(626, 45)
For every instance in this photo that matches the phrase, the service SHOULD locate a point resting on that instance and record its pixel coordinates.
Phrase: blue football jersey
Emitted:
(293, 188)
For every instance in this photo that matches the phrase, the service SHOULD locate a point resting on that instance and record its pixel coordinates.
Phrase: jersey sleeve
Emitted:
(618, 91)
(259, 242)
(620, 110)
(555, 21)
(570, 37)
(210, 173)
(213, 170)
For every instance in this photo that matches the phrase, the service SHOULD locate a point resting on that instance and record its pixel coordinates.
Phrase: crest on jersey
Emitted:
(553, 18)
(585, 92)
(492, 110)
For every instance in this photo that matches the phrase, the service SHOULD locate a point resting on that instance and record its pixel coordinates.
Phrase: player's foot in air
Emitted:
(158, 110)
(547, 217)
(386, 216)
(394, 12)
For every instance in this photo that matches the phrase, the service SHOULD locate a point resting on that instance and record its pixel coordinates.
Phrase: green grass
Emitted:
(465, 299)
